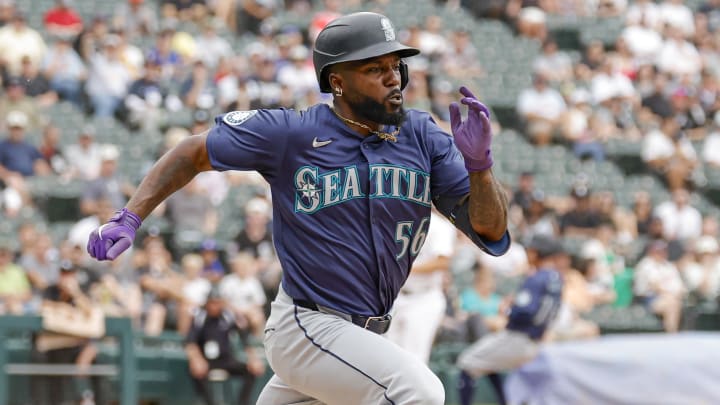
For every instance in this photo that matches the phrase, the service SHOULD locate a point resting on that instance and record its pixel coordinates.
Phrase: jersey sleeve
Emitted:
(249, 140)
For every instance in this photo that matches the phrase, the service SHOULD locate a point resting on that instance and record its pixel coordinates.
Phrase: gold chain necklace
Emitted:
(385, 136)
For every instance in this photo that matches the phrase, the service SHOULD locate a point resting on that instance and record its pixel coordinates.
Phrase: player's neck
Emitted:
(357, 124)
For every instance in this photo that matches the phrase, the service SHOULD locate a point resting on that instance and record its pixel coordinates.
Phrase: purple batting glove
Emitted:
(114, 237)
(473, 136)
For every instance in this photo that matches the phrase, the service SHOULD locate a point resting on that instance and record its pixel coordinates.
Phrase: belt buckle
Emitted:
(380, 319)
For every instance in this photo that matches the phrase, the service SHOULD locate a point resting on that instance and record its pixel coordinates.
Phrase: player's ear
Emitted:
(335, 80)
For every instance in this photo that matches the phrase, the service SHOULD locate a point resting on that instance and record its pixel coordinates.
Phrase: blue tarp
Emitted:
(635, 369)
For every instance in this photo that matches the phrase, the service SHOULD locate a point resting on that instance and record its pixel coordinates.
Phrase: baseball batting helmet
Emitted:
(357, 36)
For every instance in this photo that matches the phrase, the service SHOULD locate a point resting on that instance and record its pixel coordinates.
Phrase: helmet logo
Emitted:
(387, 29)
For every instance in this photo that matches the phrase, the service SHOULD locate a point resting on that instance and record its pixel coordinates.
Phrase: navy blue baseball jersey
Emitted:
(536, 304)
(350, 212)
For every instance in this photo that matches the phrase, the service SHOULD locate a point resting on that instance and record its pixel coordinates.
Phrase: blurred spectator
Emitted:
(330, 10)
(41, 266)
(481, 298)
(688, 112)
(109, 185)
(461, 58)
(532, 23)
(210, 347)
(62, 20)
(677, 15)
(610, 8)
(7, 11)
(18, 40)
(243, 292)
(213, 46)
(658, 286)
(190, 209)
(540, 108)
(36, 85)
(162, 287)
(680, 220)
(522, 195)
(513, 263)
(117, 293)
(669, 153)
(108, 79)
(642, 38)
(163, 55)
(642, 210)
(198, 90)
(144, 104)
(539, 219)
(15, 288)
(17, 155)
(130, 55)
(578, 298)
(212, 267)
(579, 126)
(711, 145)
(678, 56)
(553, 64)
(656, 99)
(600, 249)
(84, 158)
(91, 39)
(17, 100)
(50, 149)
(183, 10)
(136, 18)
(582, 219)
(262, 87)
(65, 71)
(195, 289)
(702, 272)
(298, 75)
(646, 12)
(593, 55)
(54, 348)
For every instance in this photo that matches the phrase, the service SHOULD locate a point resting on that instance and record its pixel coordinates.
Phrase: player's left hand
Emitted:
(474, 135)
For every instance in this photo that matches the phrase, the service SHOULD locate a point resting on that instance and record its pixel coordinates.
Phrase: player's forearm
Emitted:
(488, 205)
(173, 171)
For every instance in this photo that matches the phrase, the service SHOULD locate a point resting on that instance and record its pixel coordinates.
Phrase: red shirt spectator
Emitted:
(62, 20)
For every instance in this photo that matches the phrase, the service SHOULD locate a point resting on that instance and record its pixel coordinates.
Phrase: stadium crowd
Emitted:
(144, 63)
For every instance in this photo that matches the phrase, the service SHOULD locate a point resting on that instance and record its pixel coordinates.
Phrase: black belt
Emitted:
(377, 324)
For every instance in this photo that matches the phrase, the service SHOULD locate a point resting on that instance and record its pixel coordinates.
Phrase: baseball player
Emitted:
(352, 186)
(420, 306)
(534, 307)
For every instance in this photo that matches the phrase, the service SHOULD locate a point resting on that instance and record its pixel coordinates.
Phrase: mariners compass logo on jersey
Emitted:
(238, 117)
(316, 190)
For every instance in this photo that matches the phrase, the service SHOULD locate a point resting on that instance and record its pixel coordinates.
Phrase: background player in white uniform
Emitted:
(420, 307)
(352, 189)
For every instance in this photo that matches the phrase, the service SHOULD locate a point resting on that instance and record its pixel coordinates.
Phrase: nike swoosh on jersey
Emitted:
(317, 144)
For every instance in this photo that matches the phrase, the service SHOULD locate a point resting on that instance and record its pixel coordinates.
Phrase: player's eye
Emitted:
(373, 69)
(396, 67)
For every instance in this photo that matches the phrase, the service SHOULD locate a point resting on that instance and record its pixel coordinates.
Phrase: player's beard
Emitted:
(371, 110)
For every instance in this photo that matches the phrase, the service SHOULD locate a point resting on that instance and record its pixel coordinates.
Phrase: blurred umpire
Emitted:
(210, 349)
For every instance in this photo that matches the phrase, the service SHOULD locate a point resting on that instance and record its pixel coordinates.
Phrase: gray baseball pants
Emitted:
(321, 358)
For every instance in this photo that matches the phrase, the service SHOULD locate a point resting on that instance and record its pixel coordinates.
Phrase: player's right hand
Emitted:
(114, 237)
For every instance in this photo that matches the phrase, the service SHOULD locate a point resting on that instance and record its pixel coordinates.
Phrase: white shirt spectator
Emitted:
(644, 43)
(83, 162)
(512, 263)
(657, 145)
(214, 47)
(547, 103)
(682, 222)
(17, 40)
(196, 290)
(651, 273)
(645, 12)
(605, 86)
(710, 149)
(242, 293)
(679, 57)
(678, 15)
(107, 76)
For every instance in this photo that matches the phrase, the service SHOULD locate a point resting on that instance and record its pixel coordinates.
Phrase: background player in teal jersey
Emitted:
(352, 187)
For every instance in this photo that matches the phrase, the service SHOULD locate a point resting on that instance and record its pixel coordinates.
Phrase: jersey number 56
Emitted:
(408, 240)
